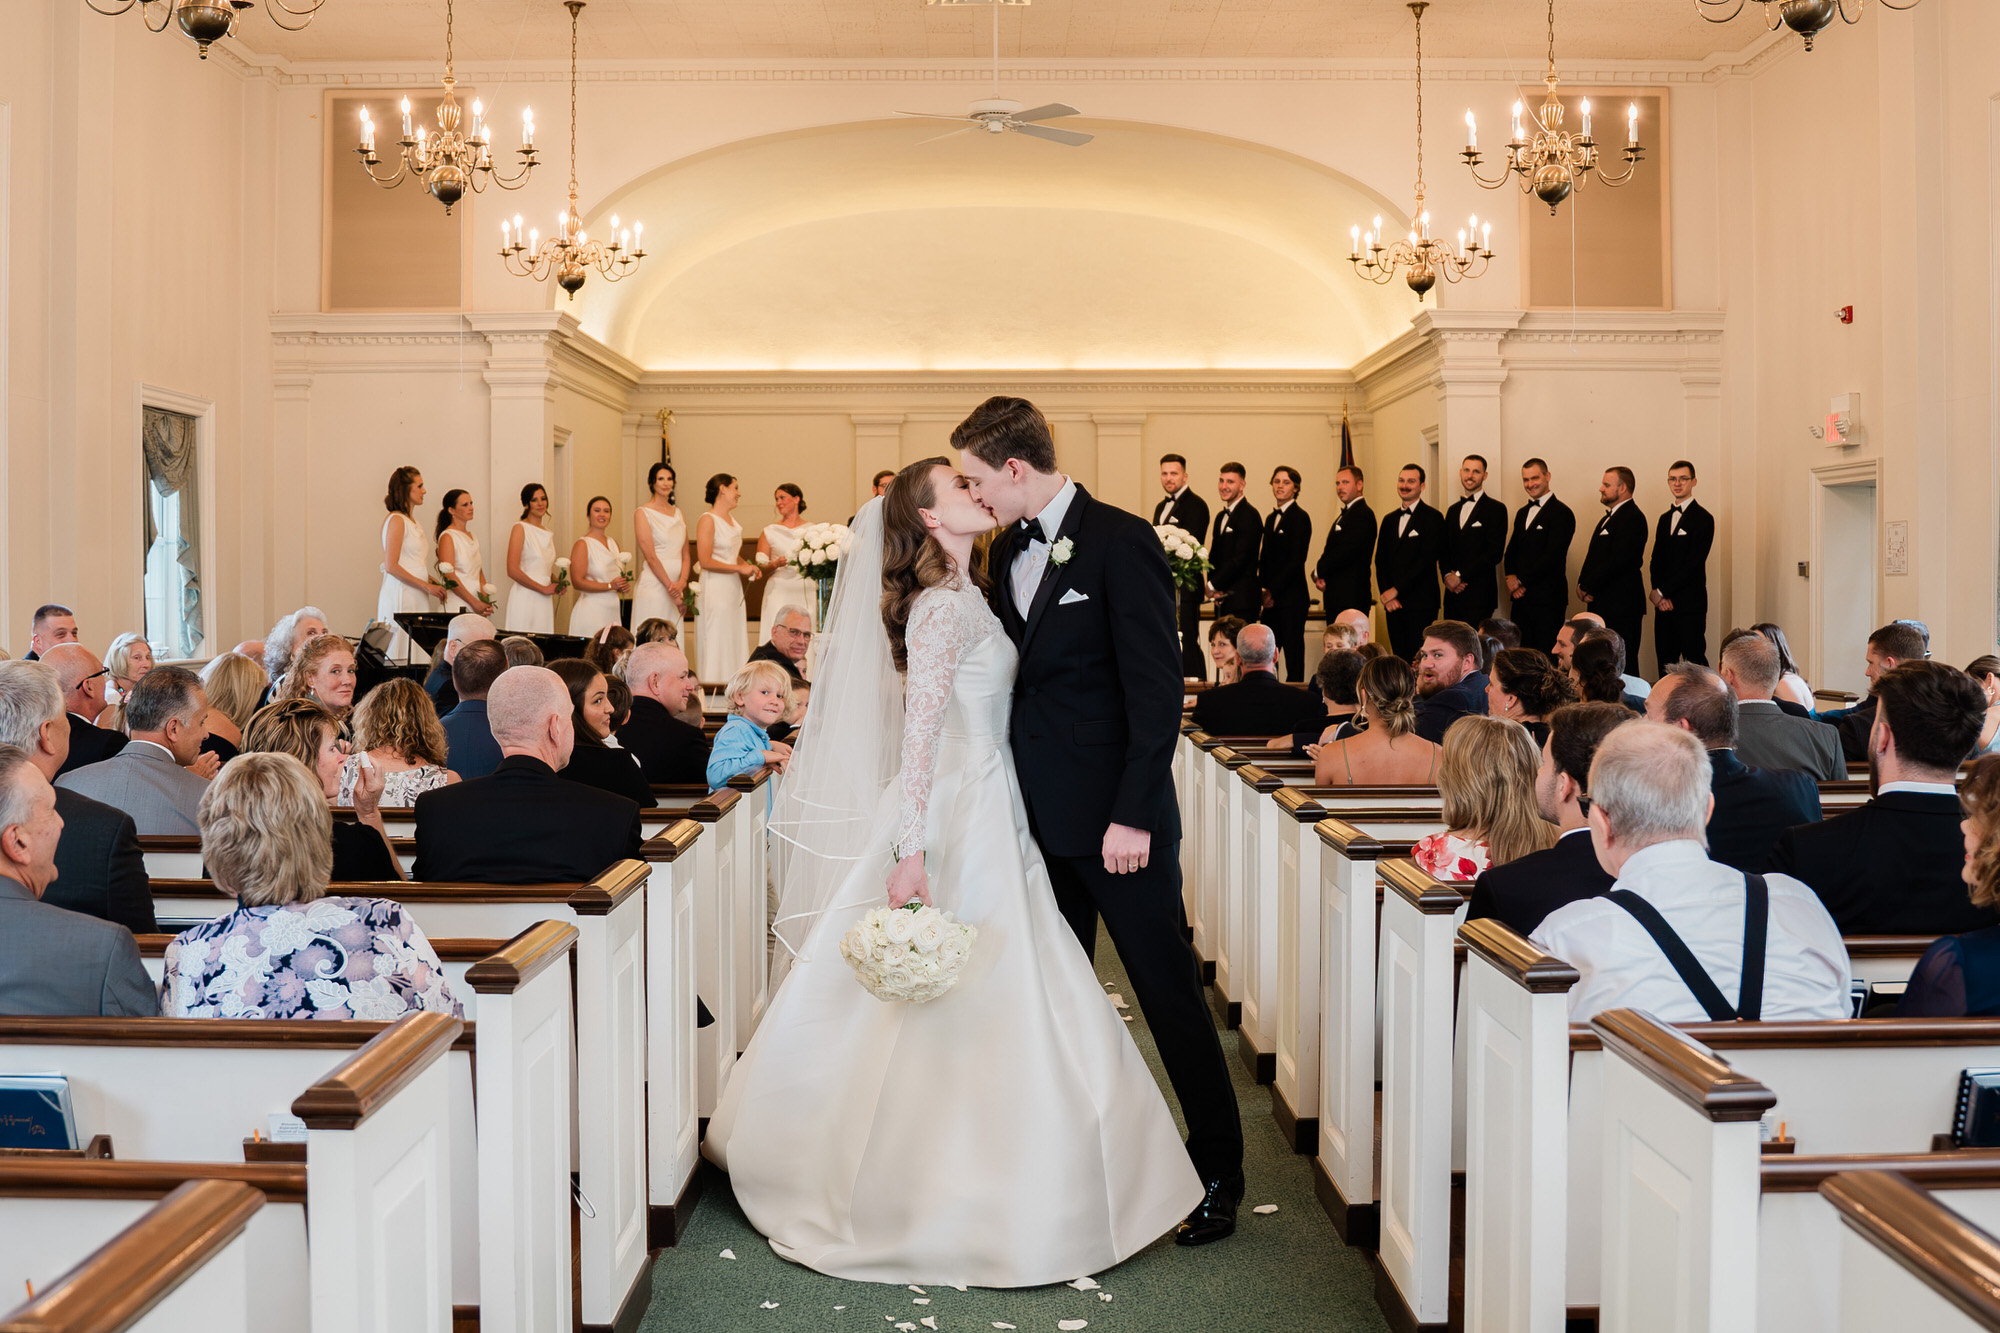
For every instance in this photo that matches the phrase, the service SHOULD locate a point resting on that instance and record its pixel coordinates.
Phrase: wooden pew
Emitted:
(182, 1266)
(717, 949)
(178, 856)
(752, 901)
(673, 1081)
(1907, 1260)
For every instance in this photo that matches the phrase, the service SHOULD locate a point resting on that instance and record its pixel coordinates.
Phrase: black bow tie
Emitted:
(1031, 531)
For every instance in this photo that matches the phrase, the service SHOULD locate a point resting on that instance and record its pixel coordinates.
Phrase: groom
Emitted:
(1084, 591)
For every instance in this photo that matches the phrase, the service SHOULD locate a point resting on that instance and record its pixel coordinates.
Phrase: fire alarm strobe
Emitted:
(1846, 314)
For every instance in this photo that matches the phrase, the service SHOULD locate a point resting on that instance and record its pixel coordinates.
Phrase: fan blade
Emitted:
(1070, 137)
(926, 115)
(948, 134)
(1049, 112)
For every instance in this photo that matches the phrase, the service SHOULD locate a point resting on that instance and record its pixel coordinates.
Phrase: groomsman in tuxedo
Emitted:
(1234, 542)
(1281, 570)
(1406, 552)
(1187, 511)
(1610, 581)
(1475, 537)
(1538, 560)
(1342, 575)
(1681, 541)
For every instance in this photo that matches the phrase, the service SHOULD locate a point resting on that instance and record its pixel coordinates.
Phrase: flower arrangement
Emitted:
(1187, 557)
(489, 595)
(448, 576)
(562, 574)
(821, 545)
(625, 572)
(691, 600)
(912, 953)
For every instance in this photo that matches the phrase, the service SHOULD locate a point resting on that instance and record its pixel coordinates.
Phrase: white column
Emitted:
(638, 450)
(1121, 462)
(1469, 374)
(520, 382)
(291, 441)
(878, 445)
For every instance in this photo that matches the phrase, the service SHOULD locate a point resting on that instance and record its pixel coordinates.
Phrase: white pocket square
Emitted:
(1476, 524)
(1072, 597)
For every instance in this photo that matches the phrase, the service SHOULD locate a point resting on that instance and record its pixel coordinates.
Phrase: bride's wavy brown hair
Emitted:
(912, 559)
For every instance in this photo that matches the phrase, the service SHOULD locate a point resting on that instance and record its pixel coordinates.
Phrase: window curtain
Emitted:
(168, 440)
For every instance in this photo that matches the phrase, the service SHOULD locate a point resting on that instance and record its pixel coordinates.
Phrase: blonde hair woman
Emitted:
(310, 734)
(396, 730)
(1389, 753)
(234, 683)
(289, 950)
(323, 671)
(1487, 782)
(128, 660)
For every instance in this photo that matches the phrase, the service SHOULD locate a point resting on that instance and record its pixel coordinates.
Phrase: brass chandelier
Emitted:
(206, 22)
(1807, 18)
(570, 254)
(1423, 258)
(453, 160)
(1554, 162)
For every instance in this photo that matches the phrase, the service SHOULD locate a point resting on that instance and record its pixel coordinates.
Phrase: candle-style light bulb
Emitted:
(1424, 222)
(1517, 120)
(367, 131)
(1584, 107)
(639, 236)
(1471, 130)
(1378, 226)
(1486, 236)
(527, 128)
(614, 222)
(478, 113)
(534, 239)
(406, 117)
(1632, 123)
(1354, 241)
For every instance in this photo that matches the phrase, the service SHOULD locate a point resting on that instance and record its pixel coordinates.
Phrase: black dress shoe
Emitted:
(1215, 1217)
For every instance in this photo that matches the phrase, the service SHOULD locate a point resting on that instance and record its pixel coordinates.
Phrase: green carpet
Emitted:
(1284, 1270)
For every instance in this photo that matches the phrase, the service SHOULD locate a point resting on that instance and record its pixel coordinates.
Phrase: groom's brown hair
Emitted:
(1002, 428)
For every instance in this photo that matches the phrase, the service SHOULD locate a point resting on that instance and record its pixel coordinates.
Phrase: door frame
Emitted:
(1850, 472)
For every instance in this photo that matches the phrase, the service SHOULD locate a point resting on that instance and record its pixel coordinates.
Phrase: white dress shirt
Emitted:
(1601, 523)
(1536, 506)
(1679, 511)
(1403, 523)
(1472, 499)
(1166, 507)
(1034, 557)
(1920, 788)
(1806, 972)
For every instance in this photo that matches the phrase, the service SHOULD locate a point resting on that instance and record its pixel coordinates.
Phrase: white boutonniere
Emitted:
(1060, 553)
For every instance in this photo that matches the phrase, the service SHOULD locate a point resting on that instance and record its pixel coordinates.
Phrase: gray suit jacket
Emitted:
(144, 781)
(66, 964)
(1767, 738)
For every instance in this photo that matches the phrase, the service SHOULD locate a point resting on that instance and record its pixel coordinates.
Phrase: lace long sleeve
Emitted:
(942, 627)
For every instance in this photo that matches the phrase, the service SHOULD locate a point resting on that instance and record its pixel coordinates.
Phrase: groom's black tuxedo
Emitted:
(1097, 713)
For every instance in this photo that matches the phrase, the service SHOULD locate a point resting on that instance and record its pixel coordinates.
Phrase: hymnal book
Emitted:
(1977, 1123)
(35, 1112)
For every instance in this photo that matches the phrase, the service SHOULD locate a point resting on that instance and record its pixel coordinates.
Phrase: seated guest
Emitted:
(1358, 625)
(521, 652)
(1959, 975)
(1334, 678)
(1792, 687)
(323, 671)
(791, 639)
(128, 659)
(1450, 684)
(668, 749)
(1502, 631)
(1888, 648)
(1588, 622)
(469, 744)
(1767, 736)
(608, 648)
(1781, 693)
(283, 642)
(396, 730)
(522, 824)
(1597, 665)
(464, 629)
(1753, 806)
(619, 695)
(1388, 752)
(308, 733)
(1258, 704)
(52, 624)
(788, 726)
(757, 697)
(1520, 893)
(100, 870)
(1649, 802)
(82, 677)
(150, 779)
(54, 962)
(655, 629)
(1894, 866)
(1525, 686)
(1335, 638)
(1222, 648)
(234, 683)
(591, 761)
(1486, 778)
(1985, 672)
(290, 949)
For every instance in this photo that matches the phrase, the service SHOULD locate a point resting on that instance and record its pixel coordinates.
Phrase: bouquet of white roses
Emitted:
(691, 599)
(911, 953)
(625, 572)
(1187, 557)
(448, 575)
(821, 545)
(562, 573)
(489, 594)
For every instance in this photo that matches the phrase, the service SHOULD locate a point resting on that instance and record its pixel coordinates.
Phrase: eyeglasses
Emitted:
(101, 671)
(804, 634)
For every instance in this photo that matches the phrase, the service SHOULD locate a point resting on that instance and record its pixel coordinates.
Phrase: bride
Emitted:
(1009, 1133)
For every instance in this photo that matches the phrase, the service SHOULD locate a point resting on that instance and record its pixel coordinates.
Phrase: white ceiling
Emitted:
(491, 30)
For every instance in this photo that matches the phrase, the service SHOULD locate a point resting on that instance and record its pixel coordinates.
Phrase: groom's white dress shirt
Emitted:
(1034, 557)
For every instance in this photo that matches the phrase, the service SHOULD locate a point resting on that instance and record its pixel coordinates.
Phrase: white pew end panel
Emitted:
(1907, 1261)
(673, 1077)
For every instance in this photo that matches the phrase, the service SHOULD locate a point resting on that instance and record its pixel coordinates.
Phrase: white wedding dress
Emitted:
(1007, 1134)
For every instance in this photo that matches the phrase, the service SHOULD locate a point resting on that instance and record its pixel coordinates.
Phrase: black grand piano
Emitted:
(427, 630)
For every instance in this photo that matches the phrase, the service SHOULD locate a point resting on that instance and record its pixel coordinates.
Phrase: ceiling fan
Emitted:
(997, 114)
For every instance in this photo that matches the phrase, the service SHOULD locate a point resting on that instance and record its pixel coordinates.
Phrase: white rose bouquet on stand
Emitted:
(821, 545)
(1187, 557)
(912, 953)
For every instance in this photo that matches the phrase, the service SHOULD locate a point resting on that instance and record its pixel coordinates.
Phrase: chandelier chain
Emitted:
(1419, 8)
(574, 11)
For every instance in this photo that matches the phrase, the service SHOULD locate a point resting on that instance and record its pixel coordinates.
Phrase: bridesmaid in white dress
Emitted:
(721, 648)
(660, 537)
(531, 566)
(778, 543)
(593, 568)
(406, 585)
(457, 547)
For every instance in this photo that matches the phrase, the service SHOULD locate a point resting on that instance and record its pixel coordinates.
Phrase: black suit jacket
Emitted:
(1345, 562)
(1474, 550)
(1186, 511)
(1539, 555)
(438, 685)
(99, 868)
(668, 749)
(1281, 564)
(1465, 699)
(768, 652)
(1097, 699)
(89, 743)
(1854, 724)
(1889, 868)
(1258, 705)
(1235, 540)
(1611, 562)
(1408, 562)
(608, 769)
(1679, 568)
(522, 824)
(1520, 893)
(1753, 808)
